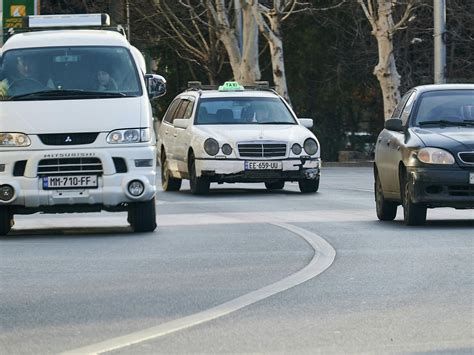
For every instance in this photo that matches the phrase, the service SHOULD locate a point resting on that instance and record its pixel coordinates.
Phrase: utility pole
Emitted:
(439, 41)
(127, 4)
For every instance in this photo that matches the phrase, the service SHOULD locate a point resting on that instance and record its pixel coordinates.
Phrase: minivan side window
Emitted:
(171, 111)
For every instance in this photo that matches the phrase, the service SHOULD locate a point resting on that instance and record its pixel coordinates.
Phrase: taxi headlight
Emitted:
(296, 149)
(211, 146)
(14, 140)
(310, 146)
(227, 149)
(435, 156)
(132, 135)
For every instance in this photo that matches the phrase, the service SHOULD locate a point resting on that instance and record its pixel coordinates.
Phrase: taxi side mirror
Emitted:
(306, 122)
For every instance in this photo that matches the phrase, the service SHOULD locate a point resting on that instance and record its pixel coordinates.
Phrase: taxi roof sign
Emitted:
(231, 86)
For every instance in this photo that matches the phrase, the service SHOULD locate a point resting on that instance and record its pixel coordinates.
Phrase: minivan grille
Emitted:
(70, 166)
(262, 150)
(68, 138)
(467, 157)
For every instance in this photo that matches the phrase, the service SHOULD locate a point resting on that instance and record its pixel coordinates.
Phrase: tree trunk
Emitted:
(386, 69)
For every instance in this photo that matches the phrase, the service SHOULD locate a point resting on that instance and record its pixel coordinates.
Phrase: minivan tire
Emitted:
(142, 216)
(6, 220)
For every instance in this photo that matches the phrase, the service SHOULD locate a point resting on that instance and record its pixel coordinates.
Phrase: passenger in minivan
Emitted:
(20, 78)
(105, 81)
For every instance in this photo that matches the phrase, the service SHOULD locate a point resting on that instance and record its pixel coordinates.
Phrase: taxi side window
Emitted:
(189, 109)
(182, 109)
(171, 111)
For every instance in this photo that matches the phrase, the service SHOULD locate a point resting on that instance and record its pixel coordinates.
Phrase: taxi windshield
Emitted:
(56, 73)
(243, 110)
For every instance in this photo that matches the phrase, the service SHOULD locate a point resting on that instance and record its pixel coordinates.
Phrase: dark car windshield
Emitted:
(57, 73)
(243, 110)
(446, 107)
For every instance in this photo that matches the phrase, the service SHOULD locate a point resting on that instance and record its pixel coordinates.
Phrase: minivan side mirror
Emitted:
(394, 124)
(156, 85)
(306, 122)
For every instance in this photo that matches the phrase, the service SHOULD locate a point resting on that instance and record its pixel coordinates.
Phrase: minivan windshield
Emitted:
(59, 73)
(243, 110)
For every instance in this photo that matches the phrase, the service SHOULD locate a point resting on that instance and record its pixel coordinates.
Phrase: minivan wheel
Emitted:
(413, 214)
(276, 185)
(142, 216)
(386, 210)
(6, 220)
(199, 185)
(309, 185)
(168, 183)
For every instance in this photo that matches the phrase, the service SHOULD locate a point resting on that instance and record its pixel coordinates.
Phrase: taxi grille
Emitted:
(467, 157)
(265, 150)
(70, 166)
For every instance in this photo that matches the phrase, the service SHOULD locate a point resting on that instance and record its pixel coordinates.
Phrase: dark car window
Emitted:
(456, 106)
(407, 109)
(398, 110)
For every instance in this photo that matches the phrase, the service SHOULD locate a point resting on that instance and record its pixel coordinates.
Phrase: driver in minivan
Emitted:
(20, 79)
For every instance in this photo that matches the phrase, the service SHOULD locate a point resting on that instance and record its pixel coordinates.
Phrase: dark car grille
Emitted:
(467, 157)
(265, 150)
(68, 138)
(461, 190)
(70, 166)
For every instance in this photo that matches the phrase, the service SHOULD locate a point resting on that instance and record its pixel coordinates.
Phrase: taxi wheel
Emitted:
(413, 214)
(142, 216)
(168, 183)
(199, 185)
(6, 220)
(277, 185)
(309, 185)
(386, 210)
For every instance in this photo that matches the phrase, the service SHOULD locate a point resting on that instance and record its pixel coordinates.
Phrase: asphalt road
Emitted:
(76, 282)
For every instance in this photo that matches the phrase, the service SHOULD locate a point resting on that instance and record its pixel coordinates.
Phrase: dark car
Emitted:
(424, 158)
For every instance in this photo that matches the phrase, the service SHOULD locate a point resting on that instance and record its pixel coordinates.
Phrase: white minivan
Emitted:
(76, 125)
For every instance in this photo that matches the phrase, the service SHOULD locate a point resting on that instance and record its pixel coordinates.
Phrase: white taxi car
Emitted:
(236, 134)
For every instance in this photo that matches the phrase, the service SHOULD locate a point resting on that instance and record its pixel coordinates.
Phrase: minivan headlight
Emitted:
(435, 156)
(132, 135)
(14, 140)
(310, 146)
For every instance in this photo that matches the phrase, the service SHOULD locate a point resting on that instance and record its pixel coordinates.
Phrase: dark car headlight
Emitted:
(435, 156)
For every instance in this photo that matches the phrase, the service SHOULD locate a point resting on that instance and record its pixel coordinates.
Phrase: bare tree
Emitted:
(380, 14)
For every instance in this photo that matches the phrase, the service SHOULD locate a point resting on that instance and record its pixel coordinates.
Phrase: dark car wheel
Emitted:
(413, 214)
(277, 185)
(6, 220)
(309, 185)
(199, 185)
(168, 183)
(386, 210)
(142, 216)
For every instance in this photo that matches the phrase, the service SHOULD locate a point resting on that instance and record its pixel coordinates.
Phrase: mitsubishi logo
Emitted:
(68, 139)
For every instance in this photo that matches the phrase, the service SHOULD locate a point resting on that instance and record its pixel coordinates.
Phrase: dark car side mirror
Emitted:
(394, 124)
(156, 85)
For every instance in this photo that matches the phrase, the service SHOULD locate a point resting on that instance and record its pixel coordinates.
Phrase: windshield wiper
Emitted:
(277, 123)
(65, 94)
(445, 123)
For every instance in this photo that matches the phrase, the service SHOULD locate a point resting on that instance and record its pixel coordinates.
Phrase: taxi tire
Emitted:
(276, 185)
(386, 210)
(309, 185)
(168, 183)
(199, 185)
(142, 216)
(6, 220)
(413, 214)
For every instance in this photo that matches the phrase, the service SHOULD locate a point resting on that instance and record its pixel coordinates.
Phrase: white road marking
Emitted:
(323, 258)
